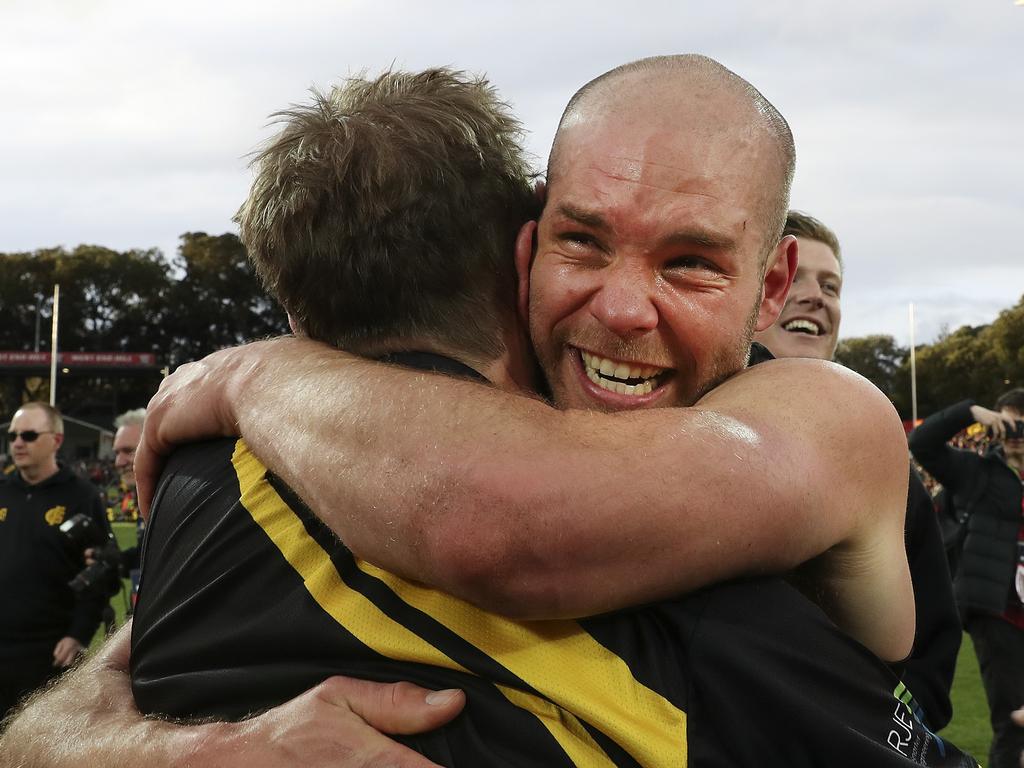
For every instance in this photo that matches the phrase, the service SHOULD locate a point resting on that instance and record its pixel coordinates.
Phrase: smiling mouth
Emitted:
(621, 377)
(806, 327)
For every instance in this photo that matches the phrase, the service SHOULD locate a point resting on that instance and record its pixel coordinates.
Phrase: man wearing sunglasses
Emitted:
(44, 624)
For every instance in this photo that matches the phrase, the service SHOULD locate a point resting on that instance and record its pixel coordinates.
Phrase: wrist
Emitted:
(206, 744)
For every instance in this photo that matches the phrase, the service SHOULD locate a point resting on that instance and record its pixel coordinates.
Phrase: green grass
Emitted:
(125, 535)
(969, 728)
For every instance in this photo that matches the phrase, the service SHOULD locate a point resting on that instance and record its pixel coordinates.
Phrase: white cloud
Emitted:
(126, 123)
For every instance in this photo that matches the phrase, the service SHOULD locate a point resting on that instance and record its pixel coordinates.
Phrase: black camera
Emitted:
(82, 532)
(1016, 432)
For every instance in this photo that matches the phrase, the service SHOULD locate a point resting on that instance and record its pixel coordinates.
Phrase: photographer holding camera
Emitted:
(989, 582)
(48, 515)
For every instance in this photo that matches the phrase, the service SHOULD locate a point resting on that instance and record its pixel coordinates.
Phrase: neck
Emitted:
(36, 475)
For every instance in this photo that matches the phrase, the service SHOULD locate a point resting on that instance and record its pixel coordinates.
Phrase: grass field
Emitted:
(969, 729)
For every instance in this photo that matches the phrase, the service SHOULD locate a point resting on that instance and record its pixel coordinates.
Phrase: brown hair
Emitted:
(1013, 400)
(806, 226)
(388, 209)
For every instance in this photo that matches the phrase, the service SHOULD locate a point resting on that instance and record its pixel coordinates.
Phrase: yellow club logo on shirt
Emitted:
(55, 516)
(3, 514)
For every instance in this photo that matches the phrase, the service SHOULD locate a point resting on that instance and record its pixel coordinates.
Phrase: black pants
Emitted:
(19, 676)
(1000, 649)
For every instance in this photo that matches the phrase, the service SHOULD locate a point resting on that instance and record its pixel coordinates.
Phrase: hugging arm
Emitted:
(89, 718)
(529, 511)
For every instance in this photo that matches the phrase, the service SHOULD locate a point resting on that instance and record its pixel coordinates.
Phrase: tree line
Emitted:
(980, 362)
(204, 298)
(207, 297)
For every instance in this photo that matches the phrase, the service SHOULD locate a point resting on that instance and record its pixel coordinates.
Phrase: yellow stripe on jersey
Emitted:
(366, 622)
(558, 658)
(564, 663)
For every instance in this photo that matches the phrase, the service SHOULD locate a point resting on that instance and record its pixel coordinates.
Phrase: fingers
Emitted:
(148, 465)
(66, 651)
(1018, 716)
(395, 707)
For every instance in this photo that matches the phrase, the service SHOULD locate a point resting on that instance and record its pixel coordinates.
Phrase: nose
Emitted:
(808, 293)
(624, 303)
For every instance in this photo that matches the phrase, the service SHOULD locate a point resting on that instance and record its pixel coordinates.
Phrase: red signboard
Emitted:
(79, 359)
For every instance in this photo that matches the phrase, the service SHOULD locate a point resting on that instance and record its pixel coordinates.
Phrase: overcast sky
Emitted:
(126, 124)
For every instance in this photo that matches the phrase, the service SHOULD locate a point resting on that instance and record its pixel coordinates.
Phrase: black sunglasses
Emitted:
(29, 435)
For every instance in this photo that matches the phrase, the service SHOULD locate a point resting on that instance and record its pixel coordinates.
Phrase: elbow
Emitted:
(496, 568)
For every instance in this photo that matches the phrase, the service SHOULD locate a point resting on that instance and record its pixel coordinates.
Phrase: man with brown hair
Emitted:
(45, 624)
(809, 323)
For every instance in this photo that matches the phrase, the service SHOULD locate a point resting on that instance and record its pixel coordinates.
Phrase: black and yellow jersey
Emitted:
(247, 600)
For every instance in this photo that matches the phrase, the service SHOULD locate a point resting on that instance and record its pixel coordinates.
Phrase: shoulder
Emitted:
(819, 409)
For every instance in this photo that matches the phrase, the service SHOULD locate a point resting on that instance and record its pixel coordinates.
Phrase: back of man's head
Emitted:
(387, 210)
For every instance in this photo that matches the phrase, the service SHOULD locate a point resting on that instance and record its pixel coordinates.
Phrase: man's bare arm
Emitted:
(89, 718)
(529, 511)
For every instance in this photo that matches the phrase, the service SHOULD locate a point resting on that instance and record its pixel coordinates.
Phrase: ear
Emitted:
(526, 247)
(58, 440)
(294, 325)
(778, 277)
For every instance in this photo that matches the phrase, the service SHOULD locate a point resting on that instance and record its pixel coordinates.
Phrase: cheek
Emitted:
(555, 293)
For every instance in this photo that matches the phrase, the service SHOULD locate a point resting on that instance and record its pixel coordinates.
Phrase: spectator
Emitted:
(986, 491)
(46, 624)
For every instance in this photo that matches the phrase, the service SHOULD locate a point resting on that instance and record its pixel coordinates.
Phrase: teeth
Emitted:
(600, 370)
(802, 326)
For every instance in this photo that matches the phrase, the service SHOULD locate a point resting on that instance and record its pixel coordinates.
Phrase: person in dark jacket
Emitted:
(809, 327)
(989, 583)
(45, 624)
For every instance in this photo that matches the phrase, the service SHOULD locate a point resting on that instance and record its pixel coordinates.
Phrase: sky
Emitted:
(126, 124)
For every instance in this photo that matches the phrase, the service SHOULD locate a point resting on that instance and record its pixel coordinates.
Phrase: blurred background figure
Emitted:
(985, 490)
(808, 326)
(48, 516)
(126, 440)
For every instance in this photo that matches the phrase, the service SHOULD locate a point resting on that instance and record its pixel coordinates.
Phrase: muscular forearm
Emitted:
(89, 718)
(530, 511)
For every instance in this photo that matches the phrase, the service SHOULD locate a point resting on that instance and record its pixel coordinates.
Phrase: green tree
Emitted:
(1005, 338)
(218, 301)
(881, 361)
(134, 301)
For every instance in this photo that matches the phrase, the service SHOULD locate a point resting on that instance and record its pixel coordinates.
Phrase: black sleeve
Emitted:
(928, 673)
(130, 559)
(89, 603)
(776, 683)
(214, 600)
(929, 444)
